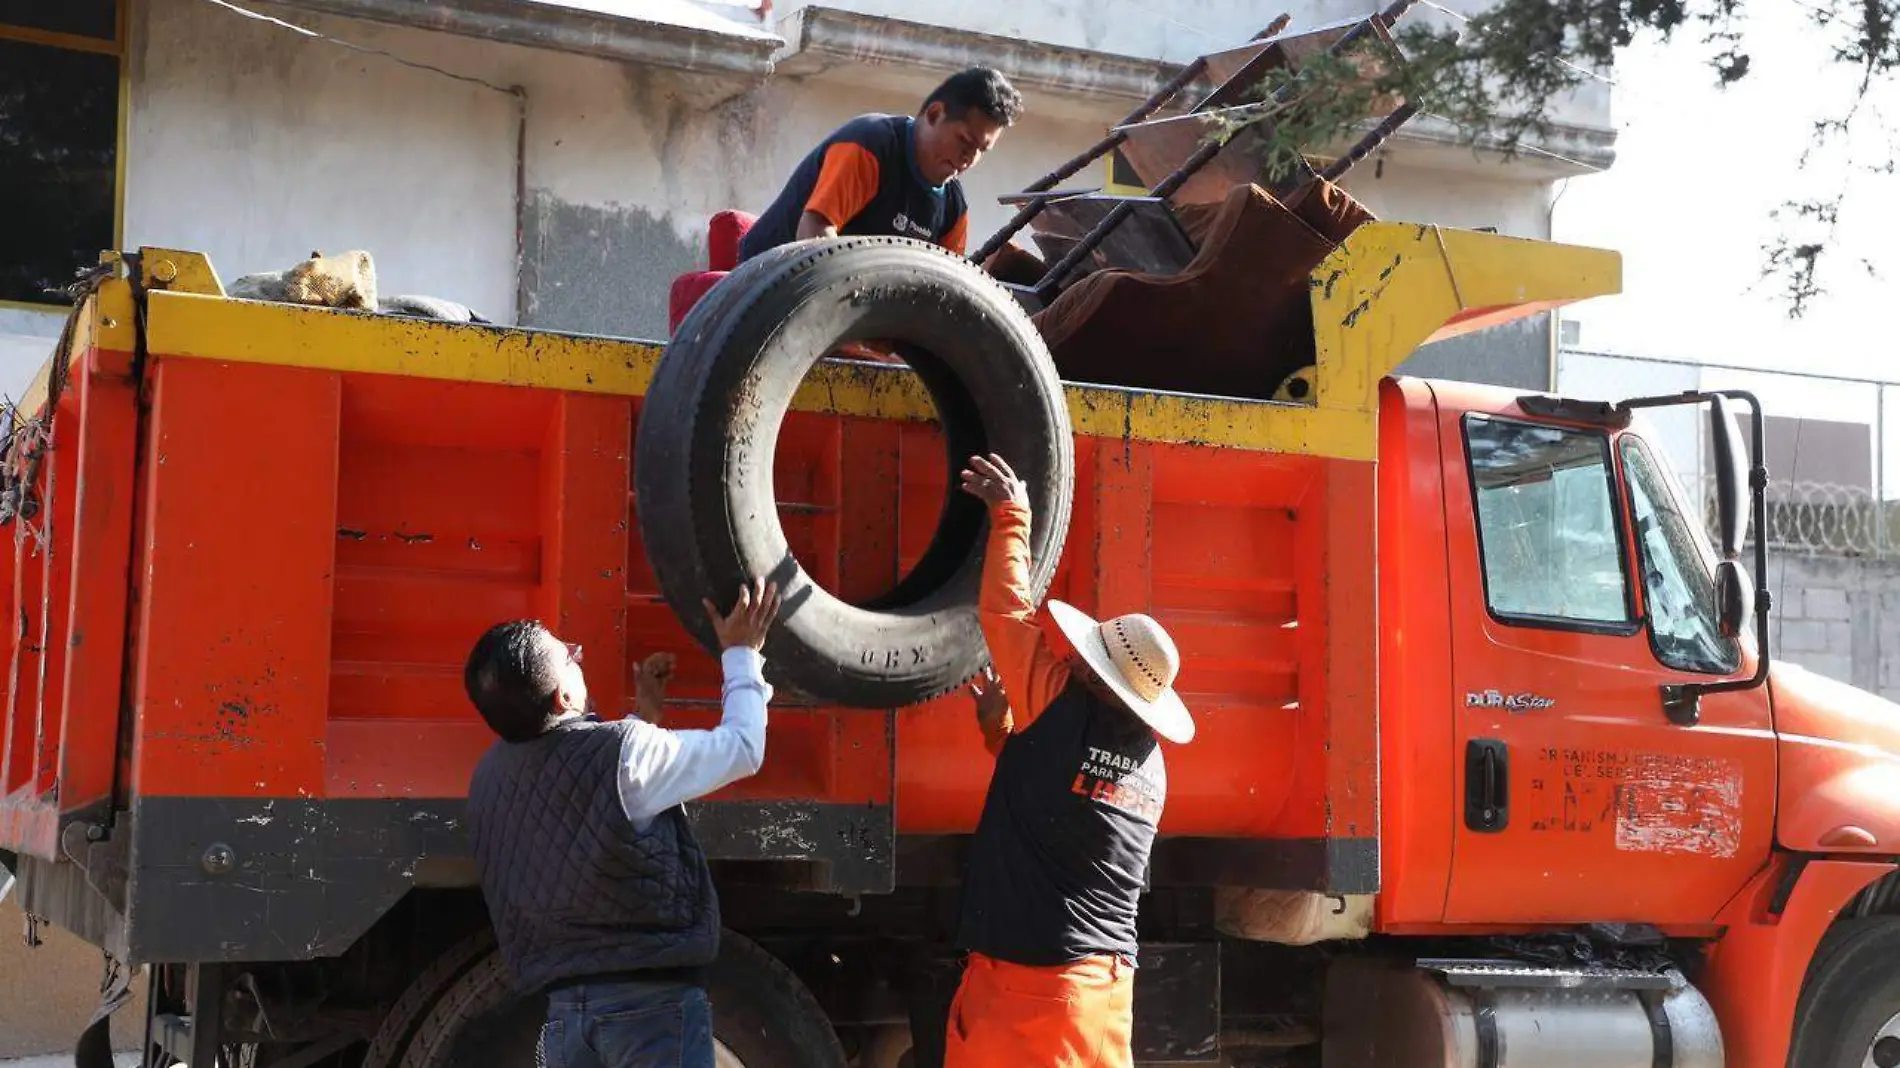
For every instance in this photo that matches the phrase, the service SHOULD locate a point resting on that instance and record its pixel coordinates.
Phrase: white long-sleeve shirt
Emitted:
(660, 768)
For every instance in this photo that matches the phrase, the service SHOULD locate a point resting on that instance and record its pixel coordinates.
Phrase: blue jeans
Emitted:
(627, 1024)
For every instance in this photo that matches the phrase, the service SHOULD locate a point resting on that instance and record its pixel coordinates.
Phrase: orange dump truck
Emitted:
(1491, 770)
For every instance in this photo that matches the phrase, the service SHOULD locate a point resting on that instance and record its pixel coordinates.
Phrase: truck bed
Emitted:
(268, 536)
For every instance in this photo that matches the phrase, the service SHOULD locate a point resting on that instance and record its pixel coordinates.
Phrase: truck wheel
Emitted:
(399, 1023)
(763, 1017)
(1849, 1015)
(707, 440)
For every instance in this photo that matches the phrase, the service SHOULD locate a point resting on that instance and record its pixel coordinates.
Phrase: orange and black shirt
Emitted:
(864, 180)
(1062, 850)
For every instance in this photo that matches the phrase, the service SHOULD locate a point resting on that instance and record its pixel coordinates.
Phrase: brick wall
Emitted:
(1839, 617)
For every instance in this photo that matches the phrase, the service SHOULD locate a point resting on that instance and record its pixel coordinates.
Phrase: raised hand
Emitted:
(990, 479)
(992, 704)
(649, 686)
(746, 625)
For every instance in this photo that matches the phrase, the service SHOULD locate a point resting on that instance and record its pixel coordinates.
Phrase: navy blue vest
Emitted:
(1061, 852)
(573, 889)
(904, 206)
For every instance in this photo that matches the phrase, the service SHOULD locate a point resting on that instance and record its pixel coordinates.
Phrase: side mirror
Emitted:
(1735, 599)
(1738, 497)
(1731, 477)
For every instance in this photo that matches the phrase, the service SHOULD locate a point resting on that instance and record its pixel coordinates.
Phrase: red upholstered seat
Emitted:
(723, 234)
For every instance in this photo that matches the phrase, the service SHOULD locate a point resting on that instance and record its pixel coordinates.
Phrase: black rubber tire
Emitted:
(1852, 990)
(761, 1012)
(708, 434)
(399, 1024)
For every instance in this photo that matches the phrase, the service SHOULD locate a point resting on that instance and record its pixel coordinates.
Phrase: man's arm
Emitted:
(1031, 673)
(660, 768)
(811, 224)
(957, 238)
(847, 180)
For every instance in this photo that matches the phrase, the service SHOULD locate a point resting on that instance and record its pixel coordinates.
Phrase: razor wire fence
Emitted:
(1823, 519)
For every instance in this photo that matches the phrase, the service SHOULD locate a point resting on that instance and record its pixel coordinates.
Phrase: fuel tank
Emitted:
(1495, 1014)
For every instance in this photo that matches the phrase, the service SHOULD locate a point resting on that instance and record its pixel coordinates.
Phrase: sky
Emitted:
(1698, 170)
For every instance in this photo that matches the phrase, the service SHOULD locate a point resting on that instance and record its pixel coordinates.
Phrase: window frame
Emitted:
(74, 42)
(1619, 520)
(1624, 445)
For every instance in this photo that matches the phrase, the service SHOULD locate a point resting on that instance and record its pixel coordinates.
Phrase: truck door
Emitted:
(1579, 588)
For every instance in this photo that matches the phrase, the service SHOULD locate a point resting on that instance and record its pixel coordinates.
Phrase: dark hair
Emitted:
(981, 88)
(512, 680)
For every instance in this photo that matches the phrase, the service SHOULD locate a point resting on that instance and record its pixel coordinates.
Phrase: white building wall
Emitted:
(25, 339)
(257, 145)
(1177, 31)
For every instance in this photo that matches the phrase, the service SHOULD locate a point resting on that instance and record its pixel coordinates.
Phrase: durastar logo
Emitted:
(1510, 702)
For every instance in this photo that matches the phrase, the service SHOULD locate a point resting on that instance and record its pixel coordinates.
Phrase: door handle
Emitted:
(1487, 785)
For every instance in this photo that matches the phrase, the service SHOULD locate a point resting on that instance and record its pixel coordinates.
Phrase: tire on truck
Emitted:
(707, 437)
(1849, 1012)
(763, 1017)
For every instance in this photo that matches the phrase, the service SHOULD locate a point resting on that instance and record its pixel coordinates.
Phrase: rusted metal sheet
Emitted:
(245, 879)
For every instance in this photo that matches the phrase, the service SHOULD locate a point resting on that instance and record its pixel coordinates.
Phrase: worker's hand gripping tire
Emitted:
(709, 426)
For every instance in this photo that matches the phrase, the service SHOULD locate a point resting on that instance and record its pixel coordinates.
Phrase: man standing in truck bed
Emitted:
(600, 896)
(894, 175)
(1061, 852)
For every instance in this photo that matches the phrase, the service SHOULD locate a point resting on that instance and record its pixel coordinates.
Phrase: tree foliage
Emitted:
(1496, 77)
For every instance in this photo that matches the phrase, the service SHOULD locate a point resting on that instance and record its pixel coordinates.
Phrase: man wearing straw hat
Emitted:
(1061, 852)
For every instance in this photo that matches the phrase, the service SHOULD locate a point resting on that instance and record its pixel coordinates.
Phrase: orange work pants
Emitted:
(1076, 1015)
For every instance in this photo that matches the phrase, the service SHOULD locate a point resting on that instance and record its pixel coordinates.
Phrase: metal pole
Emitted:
(1371, 142)
(1880, 471)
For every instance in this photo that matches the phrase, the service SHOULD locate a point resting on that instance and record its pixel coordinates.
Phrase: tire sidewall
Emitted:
(761, 1012)
(1852, 989)
(738, 368)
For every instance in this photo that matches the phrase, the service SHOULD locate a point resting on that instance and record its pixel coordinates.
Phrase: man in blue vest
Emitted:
(894, 175)
(600, 896)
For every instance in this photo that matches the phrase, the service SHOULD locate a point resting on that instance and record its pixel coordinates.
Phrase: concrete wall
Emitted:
(1839, 617)
(257, 145)
(1176, 30)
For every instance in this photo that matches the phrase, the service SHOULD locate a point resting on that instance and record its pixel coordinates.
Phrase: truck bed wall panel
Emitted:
(316, 550)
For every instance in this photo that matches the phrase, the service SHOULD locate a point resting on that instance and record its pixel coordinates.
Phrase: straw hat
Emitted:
(1136, 659)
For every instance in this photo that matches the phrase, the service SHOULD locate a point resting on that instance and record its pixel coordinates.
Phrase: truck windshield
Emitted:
(1684, 617)
(1547, 524)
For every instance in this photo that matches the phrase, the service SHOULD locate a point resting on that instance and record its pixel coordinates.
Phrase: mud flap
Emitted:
(94, 1048)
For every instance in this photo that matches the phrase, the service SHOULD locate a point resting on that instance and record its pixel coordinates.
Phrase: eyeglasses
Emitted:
(573, 652)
